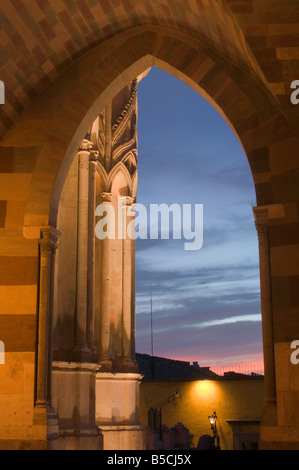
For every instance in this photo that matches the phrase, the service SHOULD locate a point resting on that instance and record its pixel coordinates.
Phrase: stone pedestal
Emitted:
(53, 430)
(74, 398)
(123, 437)
(117, 411)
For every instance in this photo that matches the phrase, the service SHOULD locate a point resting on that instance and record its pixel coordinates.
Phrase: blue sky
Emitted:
(206, 304)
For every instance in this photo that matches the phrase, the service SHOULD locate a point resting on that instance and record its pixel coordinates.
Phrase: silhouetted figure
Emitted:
(205, 442)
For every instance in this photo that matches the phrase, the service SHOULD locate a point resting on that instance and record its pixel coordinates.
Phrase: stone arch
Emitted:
(119, 182)
(238, 92)
(250, 108)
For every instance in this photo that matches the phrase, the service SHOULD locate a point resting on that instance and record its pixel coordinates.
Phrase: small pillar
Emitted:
(91, 253)
(261, 222)
(47, 247)
(128, 291)
(106, 292)
(44, 413)
(81, 349)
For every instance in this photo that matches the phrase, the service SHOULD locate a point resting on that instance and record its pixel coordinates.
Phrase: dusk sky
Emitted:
(206, 304)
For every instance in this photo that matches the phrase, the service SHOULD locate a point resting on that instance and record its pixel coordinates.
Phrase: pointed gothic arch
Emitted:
(240, 93)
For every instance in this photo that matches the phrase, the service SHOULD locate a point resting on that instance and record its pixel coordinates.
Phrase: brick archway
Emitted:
(241, 97)
(56, 123)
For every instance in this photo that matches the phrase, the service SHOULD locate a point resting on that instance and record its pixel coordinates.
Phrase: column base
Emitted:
(45, 422)
(81, 354)
(74, 399)
(129, 366)
(106, 365)
(53, 430)
(123, 437)
(83, 439)
(117, 411)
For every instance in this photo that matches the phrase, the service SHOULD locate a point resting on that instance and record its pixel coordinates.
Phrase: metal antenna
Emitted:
(152, 338)
(152, 335)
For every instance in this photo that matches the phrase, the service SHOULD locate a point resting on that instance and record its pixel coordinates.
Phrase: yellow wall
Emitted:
(231, 399)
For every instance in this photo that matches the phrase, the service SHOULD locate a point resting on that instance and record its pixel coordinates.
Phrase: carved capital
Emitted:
(106, 197)
(261, 219)
(130, 200)
(49, 237)
(94, 156)
(125, 201)
(85, 146)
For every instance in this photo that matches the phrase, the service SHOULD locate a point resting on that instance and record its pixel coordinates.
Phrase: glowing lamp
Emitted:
(213, 419)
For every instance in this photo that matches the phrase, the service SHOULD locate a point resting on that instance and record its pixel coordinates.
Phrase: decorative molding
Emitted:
(49, 237)
(106, 197)
(127, 112)
(123, 148)
(94, 156)
(86, 145)
(104, 136)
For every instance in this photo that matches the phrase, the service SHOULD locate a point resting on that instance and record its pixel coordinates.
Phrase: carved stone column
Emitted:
(128, 291)
(91, 253)
(44, 413)
(106, 293)
(81, 350)
(117, 384)
(47, 247)
(261, 222)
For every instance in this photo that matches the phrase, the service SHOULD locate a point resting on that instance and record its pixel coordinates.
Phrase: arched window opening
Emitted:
(205, 303)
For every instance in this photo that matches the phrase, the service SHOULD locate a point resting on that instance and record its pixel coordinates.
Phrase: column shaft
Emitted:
(106, 250)
(81, 351)
(267, 316)
(47, 244)
(128, 283)
(261, 221)
(91, 255)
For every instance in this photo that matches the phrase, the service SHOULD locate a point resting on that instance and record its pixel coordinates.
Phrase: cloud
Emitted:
(229, 320)
(206, 303)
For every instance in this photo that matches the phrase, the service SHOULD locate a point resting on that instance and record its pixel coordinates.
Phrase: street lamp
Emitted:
(212, 420)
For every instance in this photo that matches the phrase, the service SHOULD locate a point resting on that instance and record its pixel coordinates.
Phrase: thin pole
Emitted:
(152, 336)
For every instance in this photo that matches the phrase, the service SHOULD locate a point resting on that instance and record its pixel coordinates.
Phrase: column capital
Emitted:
(106, 197)
(261, 216)
(130, 200)
(125, 201)
(270, 214)
(49, 237)
(94, 156)
(85, 146)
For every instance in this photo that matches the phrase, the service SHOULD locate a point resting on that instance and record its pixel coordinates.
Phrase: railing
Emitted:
(256, 368)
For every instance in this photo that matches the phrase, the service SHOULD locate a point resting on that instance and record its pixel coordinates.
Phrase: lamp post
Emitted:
(212, 420)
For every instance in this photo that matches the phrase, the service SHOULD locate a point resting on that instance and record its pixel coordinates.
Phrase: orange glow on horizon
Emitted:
(246, 368)
(242, 367)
